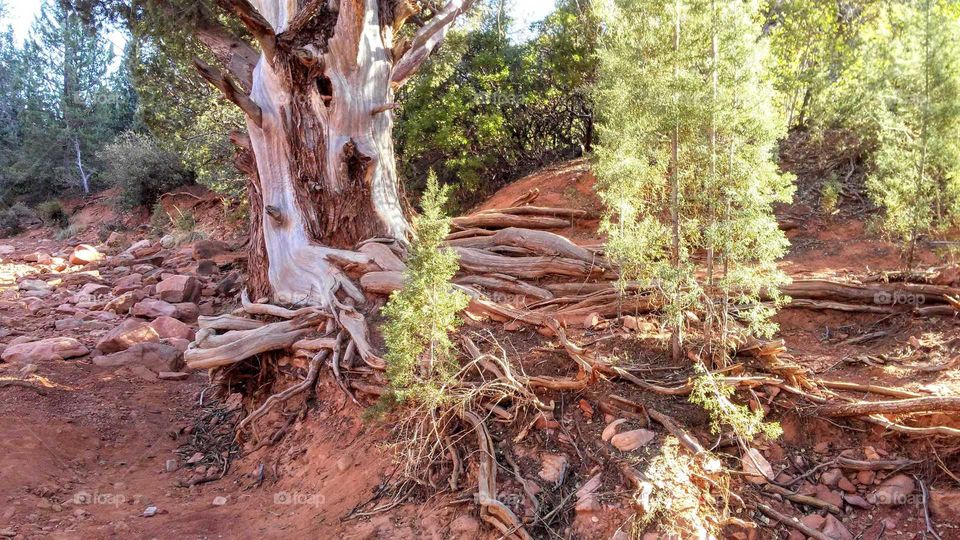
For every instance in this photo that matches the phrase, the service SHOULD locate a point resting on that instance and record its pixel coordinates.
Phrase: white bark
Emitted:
(359, 67)
(84, 175)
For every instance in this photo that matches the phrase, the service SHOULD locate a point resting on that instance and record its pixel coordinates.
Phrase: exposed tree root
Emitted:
(866, 408)
(306, 384)
(793, 523)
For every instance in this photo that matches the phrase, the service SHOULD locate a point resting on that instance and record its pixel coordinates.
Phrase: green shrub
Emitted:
(53, 213)
(830, 195)
(713, 394)
(420, 316)
(69, 232)
(142, 170)
(14, 219)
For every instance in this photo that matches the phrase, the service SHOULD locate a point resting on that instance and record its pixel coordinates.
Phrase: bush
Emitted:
(53, 214)
(142, 170)
(420, 316)
(14, 219)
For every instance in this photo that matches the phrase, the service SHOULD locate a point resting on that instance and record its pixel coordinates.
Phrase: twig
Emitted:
(793, 523)
(926, 508)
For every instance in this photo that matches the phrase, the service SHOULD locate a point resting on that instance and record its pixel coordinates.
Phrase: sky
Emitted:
(21, 14)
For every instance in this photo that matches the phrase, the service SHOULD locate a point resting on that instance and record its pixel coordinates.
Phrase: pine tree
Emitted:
(908, 86)
(687, 128)
(67, 114)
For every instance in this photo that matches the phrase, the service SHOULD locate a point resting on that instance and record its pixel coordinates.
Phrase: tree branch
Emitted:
(230, 90)
(427, 39)
(255, 23)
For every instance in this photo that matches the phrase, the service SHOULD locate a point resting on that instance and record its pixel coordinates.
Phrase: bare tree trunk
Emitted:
(84, 175)
(319, 116)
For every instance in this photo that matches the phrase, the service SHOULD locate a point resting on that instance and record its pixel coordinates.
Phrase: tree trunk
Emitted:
(319, 148)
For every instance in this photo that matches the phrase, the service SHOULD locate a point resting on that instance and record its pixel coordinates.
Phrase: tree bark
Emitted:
(319, 119)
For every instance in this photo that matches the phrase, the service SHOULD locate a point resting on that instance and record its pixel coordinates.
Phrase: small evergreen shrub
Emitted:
(142, 170)
(830, 196)
(53, 213)
(421, 315)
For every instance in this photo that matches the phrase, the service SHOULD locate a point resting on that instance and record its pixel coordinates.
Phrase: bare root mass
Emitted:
(529, 276)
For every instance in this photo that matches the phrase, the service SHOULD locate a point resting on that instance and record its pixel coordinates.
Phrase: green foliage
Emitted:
(53, 213)
(725, 177)
(711, 393)
(907, 85)
(64, 102)
(141, 170)
(14, 219)
(830, 195)
(813, 44)
(421, 315)
(68, 232)
(485, 109)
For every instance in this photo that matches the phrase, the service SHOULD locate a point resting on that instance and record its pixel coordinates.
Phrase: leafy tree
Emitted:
(421, 315)
(813, 44)
(907, 89)
(685, 129)
(486, 109)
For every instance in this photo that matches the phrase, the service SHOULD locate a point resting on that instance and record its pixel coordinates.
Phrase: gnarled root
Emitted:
(306, 384)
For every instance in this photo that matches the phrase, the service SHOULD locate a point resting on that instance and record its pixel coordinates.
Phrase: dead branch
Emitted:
(306, 384)
(228, 322)
(793, 523)
(866, 408)
(502, 221)
(244, 344)
(880, 390)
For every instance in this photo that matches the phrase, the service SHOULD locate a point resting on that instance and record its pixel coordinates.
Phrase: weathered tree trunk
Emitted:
(319, 115)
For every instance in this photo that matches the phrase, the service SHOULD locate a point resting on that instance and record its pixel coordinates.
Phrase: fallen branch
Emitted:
(490, 220)
(866, 408)
(791, 522)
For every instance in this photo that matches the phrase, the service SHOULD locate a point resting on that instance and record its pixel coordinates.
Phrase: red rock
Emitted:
(631, 440)
(208, 249)
(831, 477)
(866, 477)
(127, 283)
(168, 327)
(123, 303)
(156, 357)
(85, 254)
(152, 308)
(44, 350)
(814, 521)
(846, 485)
(757, 467)
(553, 468)
(856, 500)
(826, 494)
(177, 343)
(945, 503)
(187, 311)
(586, 495)
(894, 491)
(611, 429)
(834, 528)
(130, 332)
(179, 288)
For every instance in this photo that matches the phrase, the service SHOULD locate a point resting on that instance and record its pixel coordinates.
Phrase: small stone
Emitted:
(344, 463)
(814, 521)
(150, 511)
(168, 241)
(553, 468)
(171, 465)
(156, 357)
(586, 495)
(831, 477)
(179, 288)
(85, 254)
(833, 528)
(34, 285)
(894, 491)
(127, 334)
(152, 308)
(757, 467)
(826, 494)
(116, 239)
(858, 501)
(208, 249)
(631, 440)
(168, 327)
(629, 322)
(611, 429)
(866, 478)
(846, 485)
(206, 267)
(219, 500)
(196, 458)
